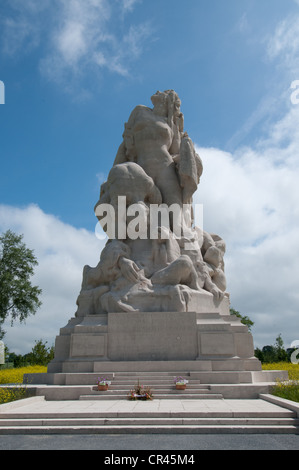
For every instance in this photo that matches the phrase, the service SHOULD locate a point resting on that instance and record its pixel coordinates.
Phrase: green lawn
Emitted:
(290, 389)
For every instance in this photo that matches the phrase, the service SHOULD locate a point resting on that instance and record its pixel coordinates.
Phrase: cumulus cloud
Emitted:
(250, 198)
(61, 251)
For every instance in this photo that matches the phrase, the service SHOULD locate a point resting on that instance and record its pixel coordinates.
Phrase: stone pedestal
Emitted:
(154, 336)
(212, 347)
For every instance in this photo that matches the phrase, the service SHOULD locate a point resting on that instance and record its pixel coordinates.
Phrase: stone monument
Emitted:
(157, 300)
(167, 262)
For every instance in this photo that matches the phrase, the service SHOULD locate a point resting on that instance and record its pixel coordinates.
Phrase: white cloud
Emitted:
(85, 41)
(280, 51)
(250, 198)
(77, 38)
(128, 5)
(79, 29)
(61, 251)
(284, 44)
(21, 31)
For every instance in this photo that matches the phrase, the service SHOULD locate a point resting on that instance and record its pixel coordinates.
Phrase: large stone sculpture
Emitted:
(150, 263)
(157, 301)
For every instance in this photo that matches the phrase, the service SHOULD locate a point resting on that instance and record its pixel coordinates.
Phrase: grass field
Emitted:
(288, 390)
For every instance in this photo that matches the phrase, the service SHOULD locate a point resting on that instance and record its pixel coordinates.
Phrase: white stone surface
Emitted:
(156, 164)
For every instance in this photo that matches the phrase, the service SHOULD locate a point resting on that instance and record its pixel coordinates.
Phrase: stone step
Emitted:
(148, 421)
(89, 378)
(167, 395)
(72, 392)
(169, 367)
(169, 380)
(225, 377)
(222, 377)
(151, 374)
(154, 384)
(156, 415)
(128, 385)
(153, 429)
(132, 383)
(129, 380)
(112, 390)
(160, 384)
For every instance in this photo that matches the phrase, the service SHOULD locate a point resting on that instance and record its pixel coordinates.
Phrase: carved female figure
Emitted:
(149, 136)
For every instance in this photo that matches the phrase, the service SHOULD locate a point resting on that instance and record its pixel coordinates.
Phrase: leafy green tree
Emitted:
(281, 353)
(17, 359)
(259, 354)
(269, 353)
(244, 319)
(273, 353)
(40, 354)
(18, 298)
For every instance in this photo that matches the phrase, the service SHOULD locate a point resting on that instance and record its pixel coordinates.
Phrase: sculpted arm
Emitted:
(129, 269)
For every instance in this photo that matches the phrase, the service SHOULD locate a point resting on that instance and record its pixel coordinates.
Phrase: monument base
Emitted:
(210, 347)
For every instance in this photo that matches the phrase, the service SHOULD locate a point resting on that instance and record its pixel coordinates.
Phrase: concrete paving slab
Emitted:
(37, 405)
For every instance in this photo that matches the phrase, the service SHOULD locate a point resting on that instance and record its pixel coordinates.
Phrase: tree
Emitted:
(281, 353)
(40, 354)
(18, 298)
(269, 353)
(244, 319)
(273, 353)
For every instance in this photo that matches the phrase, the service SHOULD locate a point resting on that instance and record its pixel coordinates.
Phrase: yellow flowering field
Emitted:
(15, 376)
(293, 369)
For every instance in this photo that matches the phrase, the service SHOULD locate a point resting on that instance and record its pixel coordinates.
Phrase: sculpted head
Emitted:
(166, 103)
(159, 100)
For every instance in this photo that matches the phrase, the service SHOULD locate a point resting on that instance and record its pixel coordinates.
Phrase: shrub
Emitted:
(12, 394)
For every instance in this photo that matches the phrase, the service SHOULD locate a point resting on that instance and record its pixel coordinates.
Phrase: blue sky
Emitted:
(73, 71)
